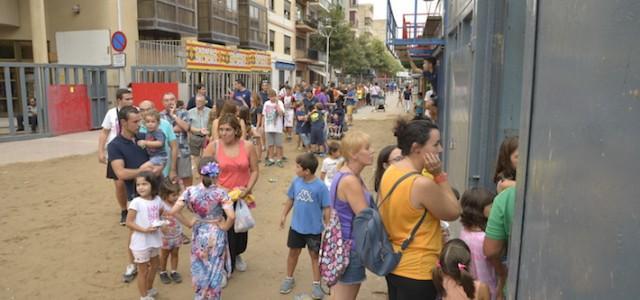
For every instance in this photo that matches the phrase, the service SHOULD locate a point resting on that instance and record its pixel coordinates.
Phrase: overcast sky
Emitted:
(400, 7)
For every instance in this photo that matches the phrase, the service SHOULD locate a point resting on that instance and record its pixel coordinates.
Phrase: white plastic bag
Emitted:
(244, 220)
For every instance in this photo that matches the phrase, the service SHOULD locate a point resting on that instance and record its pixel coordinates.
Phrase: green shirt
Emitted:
(501, 216)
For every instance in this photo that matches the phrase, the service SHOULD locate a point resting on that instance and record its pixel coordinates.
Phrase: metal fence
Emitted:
(20, 82)
(161, 53)
(218, 83)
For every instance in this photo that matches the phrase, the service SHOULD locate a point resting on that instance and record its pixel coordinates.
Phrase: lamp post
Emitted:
(326, 31)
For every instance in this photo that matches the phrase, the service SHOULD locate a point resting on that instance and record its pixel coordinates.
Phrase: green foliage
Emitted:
(354, 55)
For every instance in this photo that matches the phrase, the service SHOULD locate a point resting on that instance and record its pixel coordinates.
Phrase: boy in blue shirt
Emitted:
(309, 198)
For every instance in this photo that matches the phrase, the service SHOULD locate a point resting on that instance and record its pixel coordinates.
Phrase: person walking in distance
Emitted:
(111, 129)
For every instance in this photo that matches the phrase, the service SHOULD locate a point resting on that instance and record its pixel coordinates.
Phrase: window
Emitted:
(287, 9)
(272, 40)
(272, 5)
(287, 44)
(352, 18)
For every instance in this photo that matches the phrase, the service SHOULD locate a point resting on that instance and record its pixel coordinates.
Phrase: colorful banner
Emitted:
(203, 56)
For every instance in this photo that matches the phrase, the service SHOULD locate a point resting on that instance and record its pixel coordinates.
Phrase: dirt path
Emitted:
(60, 238)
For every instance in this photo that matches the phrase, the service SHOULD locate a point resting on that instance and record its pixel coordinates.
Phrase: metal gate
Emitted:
(218, 83)
(20, 82)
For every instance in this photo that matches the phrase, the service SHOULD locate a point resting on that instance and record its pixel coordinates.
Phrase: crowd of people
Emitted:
(205, 156)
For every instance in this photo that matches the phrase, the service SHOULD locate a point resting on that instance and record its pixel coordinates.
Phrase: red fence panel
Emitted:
(69, 108)
(152, 91)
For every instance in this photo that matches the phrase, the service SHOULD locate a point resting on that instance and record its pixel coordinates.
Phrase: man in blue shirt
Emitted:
(309, 101)
(241, 95)
(127, 161)
(309, 198)
(200, 90)
(264, 91)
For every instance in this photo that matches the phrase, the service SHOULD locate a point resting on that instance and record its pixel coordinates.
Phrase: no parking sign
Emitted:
(118, 41)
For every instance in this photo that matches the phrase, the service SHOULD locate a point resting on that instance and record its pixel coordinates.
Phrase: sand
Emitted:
(61, 240)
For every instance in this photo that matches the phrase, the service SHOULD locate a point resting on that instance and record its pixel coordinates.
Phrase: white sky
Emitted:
(400, 7)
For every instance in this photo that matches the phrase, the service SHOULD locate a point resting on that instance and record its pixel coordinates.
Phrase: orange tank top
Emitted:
(399, 218)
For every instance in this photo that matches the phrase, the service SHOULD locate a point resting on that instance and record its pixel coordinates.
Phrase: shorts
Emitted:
(171, 243)
(406, 288)
(144, 256)
(355, 272)
(297, 240)
(196, 143)
(274, 139)
(184, 167)
(317, 137)
(159, 160)
(349, 110)
(306, 139)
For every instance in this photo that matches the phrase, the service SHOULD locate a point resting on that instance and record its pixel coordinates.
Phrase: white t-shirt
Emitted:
(111, 122)
(330, 167)
(147, 211)
(272, 121)
(375, 90)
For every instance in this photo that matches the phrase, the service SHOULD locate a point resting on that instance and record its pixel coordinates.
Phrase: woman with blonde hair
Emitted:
(349, 196)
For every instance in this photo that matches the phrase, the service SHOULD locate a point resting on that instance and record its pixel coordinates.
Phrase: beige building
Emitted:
(365, 19)
(310, 63)
(281, 37)
(379, 28)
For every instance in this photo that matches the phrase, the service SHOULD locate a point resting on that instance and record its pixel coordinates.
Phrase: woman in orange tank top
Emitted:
(419, 142)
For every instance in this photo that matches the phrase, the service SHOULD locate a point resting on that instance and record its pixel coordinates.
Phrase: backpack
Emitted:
(372, 242)
(334, 249)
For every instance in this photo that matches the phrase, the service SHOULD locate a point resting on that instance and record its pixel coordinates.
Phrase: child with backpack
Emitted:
(451, 276)
(309, 198)
(476, 205)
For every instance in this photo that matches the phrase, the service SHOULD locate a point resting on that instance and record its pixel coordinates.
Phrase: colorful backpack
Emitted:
(334, 248)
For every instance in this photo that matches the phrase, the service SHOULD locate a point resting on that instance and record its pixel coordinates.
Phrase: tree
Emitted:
(354, 55)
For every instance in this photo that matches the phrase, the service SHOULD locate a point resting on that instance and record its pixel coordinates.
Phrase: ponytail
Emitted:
(467, 282)
(437, 274)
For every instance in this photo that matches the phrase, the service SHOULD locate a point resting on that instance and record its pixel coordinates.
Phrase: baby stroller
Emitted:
(336, 126)
(379, 103)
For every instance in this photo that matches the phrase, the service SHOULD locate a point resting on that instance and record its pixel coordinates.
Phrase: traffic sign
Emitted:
(119, 60)
(118, 41)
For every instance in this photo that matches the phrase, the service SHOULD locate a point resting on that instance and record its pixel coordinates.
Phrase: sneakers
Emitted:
(176, 277)
(164, 277)
(279, 163)
(129, 273)
(268, 163)
(152, 292)
(316, 291)
(241, 265)
(287, 285)
(123, 217)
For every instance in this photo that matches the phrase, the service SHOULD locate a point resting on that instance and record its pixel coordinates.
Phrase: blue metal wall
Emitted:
(576, 233)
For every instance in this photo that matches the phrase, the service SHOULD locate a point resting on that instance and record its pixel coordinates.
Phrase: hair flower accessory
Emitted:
(462, 266)
(210, 169)
(438, 265)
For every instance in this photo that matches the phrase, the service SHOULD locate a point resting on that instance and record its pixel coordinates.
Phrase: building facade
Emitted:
(310, 63)
(281, 37)
(364, 17)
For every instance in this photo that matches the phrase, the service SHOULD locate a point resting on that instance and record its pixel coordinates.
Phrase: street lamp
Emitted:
(326, 31)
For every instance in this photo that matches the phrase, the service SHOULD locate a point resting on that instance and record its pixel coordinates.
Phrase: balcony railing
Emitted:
(160, 53)
(308, 21)
(311, 54)
(325, 4)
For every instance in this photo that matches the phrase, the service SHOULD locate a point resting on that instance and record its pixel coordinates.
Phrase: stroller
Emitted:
(336, 126)
(379, 103)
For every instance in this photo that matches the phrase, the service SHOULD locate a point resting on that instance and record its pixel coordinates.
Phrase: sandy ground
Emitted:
(60, 237)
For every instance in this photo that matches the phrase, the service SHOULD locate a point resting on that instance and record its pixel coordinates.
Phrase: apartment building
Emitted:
(310, 63)
(281, 37)
(364, 16)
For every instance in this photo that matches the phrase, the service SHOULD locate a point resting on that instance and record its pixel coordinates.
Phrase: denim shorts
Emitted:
(355, 272)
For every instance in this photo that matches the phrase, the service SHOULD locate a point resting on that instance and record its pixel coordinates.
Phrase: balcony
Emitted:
(319, 5)
(306, 24)
(164, 16)
(311, 57)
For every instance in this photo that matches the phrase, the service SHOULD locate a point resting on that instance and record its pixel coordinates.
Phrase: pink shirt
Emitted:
(234, 171)
(480, 266)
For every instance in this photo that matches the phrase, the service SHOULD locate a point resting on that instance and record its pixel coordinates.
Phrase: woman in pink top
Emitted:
(238, 170)
(476, 205)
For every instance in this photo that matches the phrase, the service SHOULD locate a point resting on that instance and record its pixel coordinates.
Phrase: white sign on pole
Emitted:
(118, 60)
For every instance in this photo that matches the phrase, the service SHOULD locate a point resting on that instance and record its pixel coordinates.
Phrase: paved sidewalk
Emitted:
(49, 148)
(392, 111)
